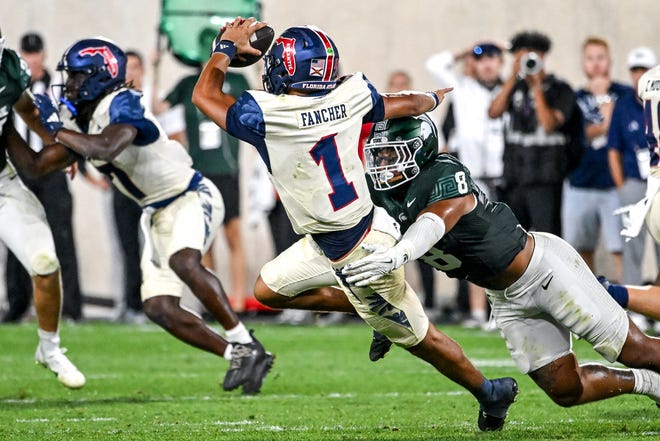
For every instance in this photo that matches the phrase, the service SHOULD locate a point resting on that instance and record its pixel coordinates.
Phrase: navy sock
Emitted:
(485, 391)
(619, 293)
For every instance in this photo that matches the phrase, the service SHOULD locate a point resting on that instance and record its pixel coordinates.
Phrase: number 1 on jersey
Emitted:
(343, 192)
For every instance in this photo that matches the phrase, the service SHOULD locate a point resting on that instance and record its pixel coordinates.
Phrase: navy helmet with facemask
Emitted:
(303, 58)
(397, 149)
(102, 63)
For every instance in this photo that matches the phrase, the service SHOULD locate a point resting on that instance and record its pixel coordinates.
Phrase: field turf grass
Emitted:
(142, 384)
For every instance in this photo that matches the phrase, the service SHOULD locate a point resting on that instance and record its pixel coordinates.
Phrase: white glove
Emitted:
(632, 217)
(370, 268)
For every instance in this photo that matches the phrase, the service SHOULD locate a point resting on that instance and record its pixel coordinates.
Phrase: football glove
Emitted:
(632, 218)
(381, 261)
(50, 117)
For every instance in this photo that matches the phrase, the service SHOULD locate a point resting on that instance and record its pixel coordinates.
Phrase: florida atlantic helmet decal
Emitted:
(302, 58)
(102, 64)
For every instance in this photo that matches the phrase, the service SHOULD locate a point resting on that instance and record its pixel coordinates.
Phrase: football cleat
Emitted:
(67, 373)
(380, 345)
(492, 413)
(253, 385)
(249, 363)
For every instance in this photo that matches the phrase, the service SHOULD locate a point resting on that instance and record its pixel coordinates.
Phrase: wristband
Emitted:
(226, 47)
(436, 100)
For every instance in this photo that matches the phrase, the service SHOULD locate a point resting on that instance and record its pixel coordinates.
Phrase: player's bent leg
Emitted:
(166, 312)
(247, 362)
(187, 264)
(640, 350)
(569, 384)
(326, 299)
(494, 396)
(31, 241)
(448, 358)
(47, 300)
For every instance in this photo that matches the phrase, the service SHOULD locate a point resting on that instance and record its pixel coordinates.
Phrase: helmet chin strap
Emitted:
(69, 105)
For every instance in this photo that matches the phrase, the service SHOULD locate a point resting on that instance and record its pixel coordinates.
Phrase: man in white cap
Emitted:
(629, 160)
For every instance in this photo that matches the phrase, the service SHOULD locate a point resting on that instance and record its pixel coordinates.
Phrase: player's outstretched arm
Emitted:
(35, 165)
(430, 226)
(402, 104)
(104, 146)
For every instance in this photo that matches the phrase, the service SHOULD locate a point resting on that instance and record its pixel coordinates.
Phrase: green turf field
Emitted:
(142, 384)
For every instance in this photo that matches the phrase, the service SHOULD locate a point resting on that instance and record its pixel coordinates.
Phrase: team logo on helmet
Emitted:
(108, 57)
(288, 53)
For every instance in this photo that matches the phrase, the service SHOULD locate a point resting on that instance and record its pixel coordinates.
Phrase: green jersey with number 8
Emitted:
(483, 242)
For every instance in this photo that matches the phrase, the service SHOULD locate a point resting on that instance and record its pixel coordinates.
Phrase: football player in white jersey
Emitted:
(644, 299)
(649, 93)
(306, 127)
(105, 121)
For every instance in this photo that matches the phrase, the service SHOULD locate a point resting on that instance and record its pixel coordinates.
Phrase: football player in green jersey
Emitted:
(23, 226)
(540, 289)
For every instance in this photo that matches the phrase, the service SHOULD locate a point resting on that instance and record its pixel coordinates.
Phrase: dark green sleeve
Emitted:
(17, 69)
(446, 179)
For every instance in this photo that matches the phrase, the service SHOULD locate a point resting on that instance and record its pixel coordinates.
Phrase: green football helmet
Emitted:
(397, 149)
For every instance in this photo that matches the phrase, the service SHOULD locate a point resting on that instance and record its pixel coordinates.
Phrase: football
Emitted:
(261, 40)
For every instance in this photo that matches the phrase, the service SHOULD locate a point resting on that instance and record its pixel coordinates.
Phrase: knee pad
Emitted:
(43, 263)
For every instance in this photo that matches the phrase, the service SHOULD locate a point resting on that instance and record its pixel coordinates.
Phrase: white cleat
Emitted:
(67, 373)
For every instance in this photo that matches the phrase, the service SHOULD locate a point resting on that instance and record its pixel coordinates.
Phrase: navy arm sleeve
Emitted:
(245, 121)
(126, 108)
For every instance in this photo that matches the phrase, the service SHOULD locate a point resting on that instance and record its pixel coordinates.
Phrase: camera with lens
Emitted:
(530, 64)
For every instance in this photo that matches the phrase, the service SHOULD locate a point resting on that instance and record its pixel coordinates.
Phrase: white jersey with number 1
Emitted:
(310, 146)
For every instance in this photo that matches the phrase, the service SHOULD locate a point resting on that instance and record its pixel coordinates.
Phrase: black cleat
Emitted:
(246, 360)
(380, 345)
(493, 413)
(253, 385)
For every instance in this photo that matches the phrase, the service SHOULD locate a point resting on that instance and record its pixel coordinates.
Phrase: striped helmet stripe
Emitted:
(330, 54)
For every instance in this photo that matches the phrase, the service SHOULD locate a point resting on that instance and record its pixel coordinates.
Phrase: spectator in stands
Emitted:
(543, 134)
(590, 196)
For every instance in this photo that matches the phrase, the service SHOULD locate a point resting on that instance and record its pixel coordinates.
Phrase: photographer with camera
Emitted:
(543, 134)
